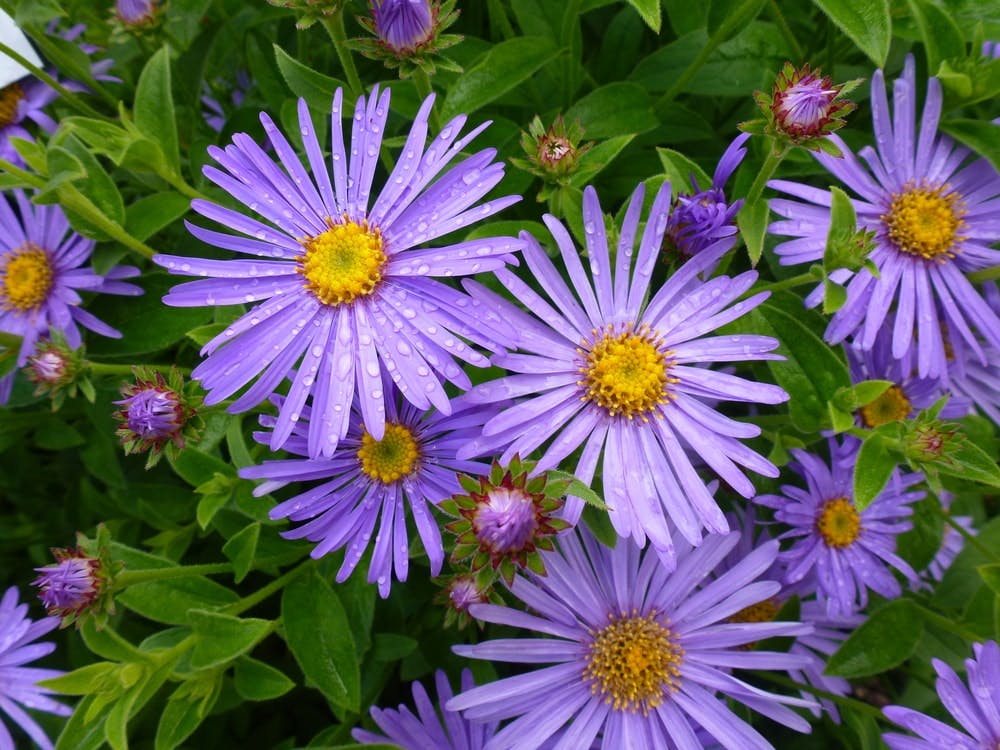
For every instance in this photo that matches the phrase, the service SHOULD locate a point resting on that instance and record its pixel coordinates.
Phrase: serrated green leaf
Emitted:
(866, 23)
(82, 681)
(885, 640)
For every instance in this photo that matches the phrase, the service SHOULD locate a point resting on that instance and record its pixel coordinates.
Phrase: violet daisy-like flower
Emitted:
(154, 414)
(969, 377)
(370, 482)
(908, 393)
(641, 655)
(42, 273)
(18, 682)
(19, 102)
(339, 286)
(704, 217)
(615, 373)
(430, 727)
(932, 211)
(843, 551)
(403, 25)
(975, 705)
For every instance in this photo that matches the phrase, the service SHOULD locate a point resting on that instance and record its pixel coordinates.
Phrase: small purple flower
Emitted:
(975, 705)
(427, 730)
(41, 276)
(136, 13)
(991, 49)
(403, 25)
(699, 220)
(71, 585)
(340, 283)
(214, 112)
(20, 101)
(932, 211)
(49, 367)
(607, 367)
(842, 551)
(18, 683)
(369, 482)
(154, 414)
(969, 377)
(640, 654)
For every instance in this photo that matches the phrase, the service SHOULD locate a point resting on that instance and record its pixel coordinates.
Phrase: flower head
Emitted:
(370, 482)
(19, 102)
(41, 276)
(975, 705)
(18, 683)
(136, 14)
(154, 414)
(440, 729)
(506, 518)
(407, 34)
(704, 217)
(931, 210)
(640, 654)
(843, 551)
(339, 286)
(459, 593)
(72, 585)
(403, 25)
(623, 376)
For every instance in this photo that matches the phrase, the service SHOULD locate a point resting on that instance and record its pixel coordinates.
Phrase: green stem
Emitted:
(987, 274)
(71, 99)
(132, 577)
(252, 600)
(770, 165)
(424, 89)
(334, 26)
(570, 21)
(947, 625)
(851, 703)
(685, 77)
(31, 178)
(786, 31)
(776, 286)
(970, 539)
(70, 197)
(181, 186)
(108, 368)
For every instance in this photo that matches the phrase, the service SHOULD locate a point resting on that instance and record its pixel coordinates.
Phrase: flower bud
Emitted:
(153, 416)
(72, 585)
(136, 13)
(403, 25)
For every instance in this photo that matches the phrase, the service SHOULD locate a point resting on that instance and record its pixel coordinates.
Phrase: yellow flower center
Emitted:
(10, 97)
(891, 406)
(391, 458)
(764, 611)
(626, 373)
(26, 279)
(839, 523)
(633, 661)
(343, 262)
(925, 221)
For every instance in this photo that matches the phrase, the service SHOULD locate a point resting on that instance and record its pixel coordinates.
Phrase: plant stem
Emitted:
(786, 31)
(852, 703)
(36, 181)
(71, 197)
(252, 600)
(71, 98)
(424, 89)
(108, 368)
(987, 274)
(334, 26)
(132, 577)
(770, 165)
(776, 286)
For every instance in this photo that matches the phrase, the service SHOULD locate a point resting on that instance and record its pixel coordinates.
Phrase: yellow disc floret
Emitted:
(839, 523)
(891, 406)
(764, 611)
(10, 97)
(925, 221)
(343, 262)
(25, 279)
(626, 373)
(391, 458)
(633, 661)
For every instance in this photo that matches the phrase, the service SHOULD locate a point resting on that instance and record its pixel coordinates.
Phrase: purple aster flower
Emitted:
(702, 218)
(370, 481)
(642, 655)
(21, 101)
(618, 374)
(933, 214)
(427, 730)
(214, 113)
(845, 552)
(975, 706)
(338, 284)
(908, 393)
(154, 414)
(41, 276)
(991, 49)
(71, 585)
(403, 25)
(18, 683)
(972, 379)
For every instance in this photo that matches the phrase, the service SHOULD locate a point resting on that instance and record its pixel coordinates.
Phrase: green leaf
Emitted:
(615, 109)
(752, 221)
(186, 708)
(728, 17)
(126, 707)
(919, 545)
(872, 470)
(95, 183)
(392, 646)
(154, 107)
(860, 394)
(106, 642)
(591, 163)
(80, 734)
(811, 372)
(151, 213)
(843, 225)
(504, 67)
(82, 681)
(241, 549)
(970, 462)
(679, 170)
(942, 37)
(865, 22)
(576, 488)
(981, 136)
(319, 637)
(885, 640)
(989, 573)
(600, 526)
(649, 10)
(222, 638)
(256, 681)
(315, 87)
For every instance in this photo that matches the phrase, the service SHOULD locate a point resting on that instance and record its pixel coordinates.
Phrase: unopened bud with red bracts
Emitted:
(79, 582)
(154, 414)
(553, 153)
(506, 518)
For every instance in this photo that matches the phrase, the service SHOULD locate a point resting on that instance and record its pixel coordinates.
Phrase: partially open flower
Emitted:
(58, 370)
(135, 14)
(407, 34)
(71, 585)
(506, 518)
(459, 593)
(403, 25)
(154, 414)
